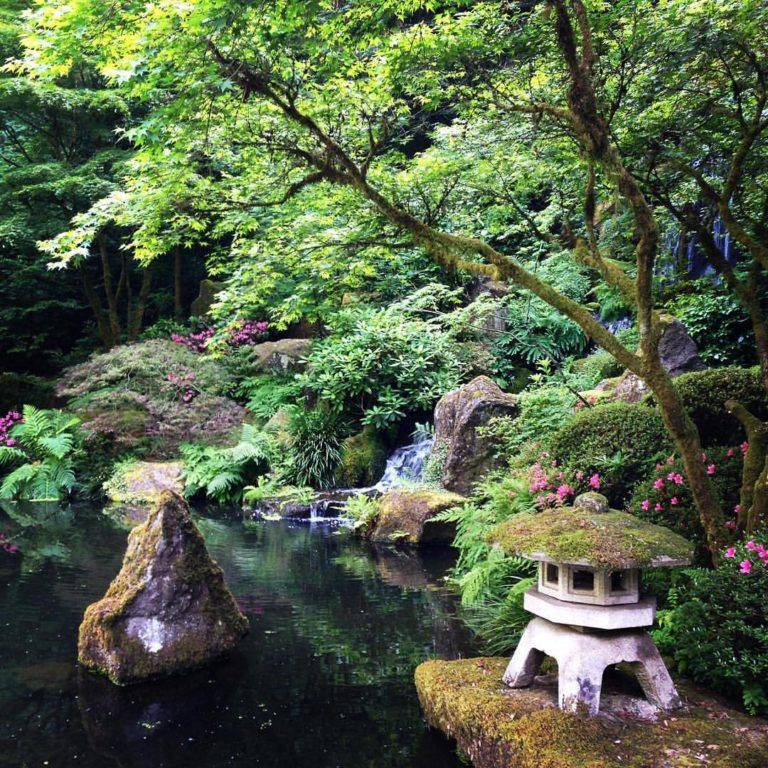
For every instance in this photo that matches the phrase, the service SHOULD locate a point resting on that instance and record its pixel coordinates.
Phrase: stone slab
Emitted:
(640, 614)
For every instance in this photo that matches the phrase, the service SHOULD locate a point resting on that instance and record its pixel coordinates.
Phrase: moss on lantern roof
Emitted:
(607, 540)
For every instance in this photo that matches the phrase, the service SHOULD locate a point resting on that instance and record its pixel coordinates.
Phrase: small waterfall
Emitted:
(405, 465)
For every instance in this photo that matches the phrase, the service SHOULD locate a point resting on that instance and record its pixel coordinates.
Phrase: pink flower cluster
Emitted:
(197, 342)
(752, 554)
(7, 422)
(183, 383)
(247, 333)
(553, 486)
(7, 544)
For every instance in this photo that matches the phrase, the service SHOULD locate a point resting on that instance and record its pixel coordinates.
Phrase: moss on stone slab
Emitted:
(498, 727)
(604, 540)
(363, 459)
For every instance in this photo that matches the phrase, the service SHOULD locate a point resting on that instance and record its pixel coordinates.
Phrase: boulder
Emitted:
(405, 517)
(679, 354)
(167, 610)
(201, 306)
(363, 459)
(281, 356)
(142, 482)
(458, 416)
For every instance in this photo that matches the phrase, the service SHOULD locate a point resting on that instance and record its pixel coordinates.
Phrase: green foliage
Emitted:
(362, 461)
(704, 394)
(270, 487)
(379, 365)
(266, 394)
(616, 439)
(716, 321)
(716, 629)
(363, 511)
(591, 370)
(222, 473)
(315, 449)
(41, 463)
(542, 411)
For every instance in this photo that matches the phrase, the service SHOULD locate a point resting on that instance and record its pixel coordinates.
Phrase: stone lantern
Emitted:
(587, 603)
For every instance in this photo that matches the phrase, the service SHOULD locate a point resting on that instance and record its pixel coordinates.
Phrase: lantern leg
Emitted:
(525, 662)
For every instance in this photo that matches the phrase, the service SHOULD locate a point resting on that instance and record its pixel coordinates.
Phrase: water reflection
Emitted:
(323, 679)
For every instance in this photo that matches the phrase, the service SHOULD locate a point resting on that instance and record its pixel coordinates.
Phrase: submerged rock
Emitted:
(167, 610)
(498, 727)
(467, 455)
(405, 517)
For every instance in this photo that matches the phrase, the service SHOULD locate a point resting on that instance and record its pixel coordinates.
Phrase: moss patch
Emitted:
(363, 458)
(501, 728)
(605, 540)
(142, 482)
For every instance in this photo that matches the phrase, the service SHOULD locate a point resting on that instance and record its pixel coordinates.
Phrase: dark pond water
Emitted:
(325, 678)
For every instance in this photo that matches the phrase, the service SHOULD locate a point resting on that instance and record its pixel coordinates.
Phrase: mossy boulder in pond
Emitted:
(405, 517)
(167, 610)
(459, 417)
(497, 727)
(143, 482)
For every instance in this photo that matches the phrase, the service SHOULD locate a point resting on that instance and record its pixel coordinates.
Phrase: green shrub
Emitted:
(362, 461)
(266, 394)
(363, 511)
(704, 394)
(715, 627)
(592, 369)
(19, 388)
(315, 449)
(717, 323)
(146, 399)
(41, 457)
(619, 440)
(379, 365)
(541, 411)
(665, 498)
(222, 473)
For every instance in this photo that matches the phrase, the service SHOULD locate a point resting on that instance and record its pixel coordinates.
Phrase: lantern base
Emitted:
(583, 656)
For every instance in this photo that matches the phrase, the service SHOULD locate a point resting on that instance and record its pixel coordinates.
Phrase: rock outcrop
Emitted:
(679, 354)
(206, 297)
(405, 517)
(466, 455)
(167, 610)
(281, 356)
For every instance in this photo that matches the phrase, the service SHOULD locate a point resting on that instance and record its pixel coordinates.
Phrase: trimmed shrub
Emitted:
(618, 440)
(148, 398)
(705, 392)
(362, 462)
(665, 498)
(716, 627)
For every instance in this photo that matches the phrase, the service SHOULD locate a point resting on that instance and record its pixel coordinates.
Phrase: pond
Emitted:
(325, 677)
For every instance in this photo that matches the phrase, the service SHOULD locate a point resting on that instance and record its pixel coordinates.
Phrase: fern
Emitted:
(42, 464)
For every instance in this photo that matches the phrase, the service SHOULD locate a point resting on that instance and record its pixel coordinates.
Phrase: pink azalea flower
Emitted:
(711, 469)
(673, 501)
(659, 483)
(645, 504)
(751, 546)
(658, 507)
(746, 566)
(744, 447)
(670, 459)
(730, 552)
(731, 453)
(730, 524)
(737, 509)
(594, 482)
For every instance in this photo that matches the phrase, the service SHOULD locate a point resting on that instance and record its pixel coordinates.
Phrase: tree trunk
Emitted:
(137, 315)
(178, 307)
(688, 443)
(98, 310)
(112, 308)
